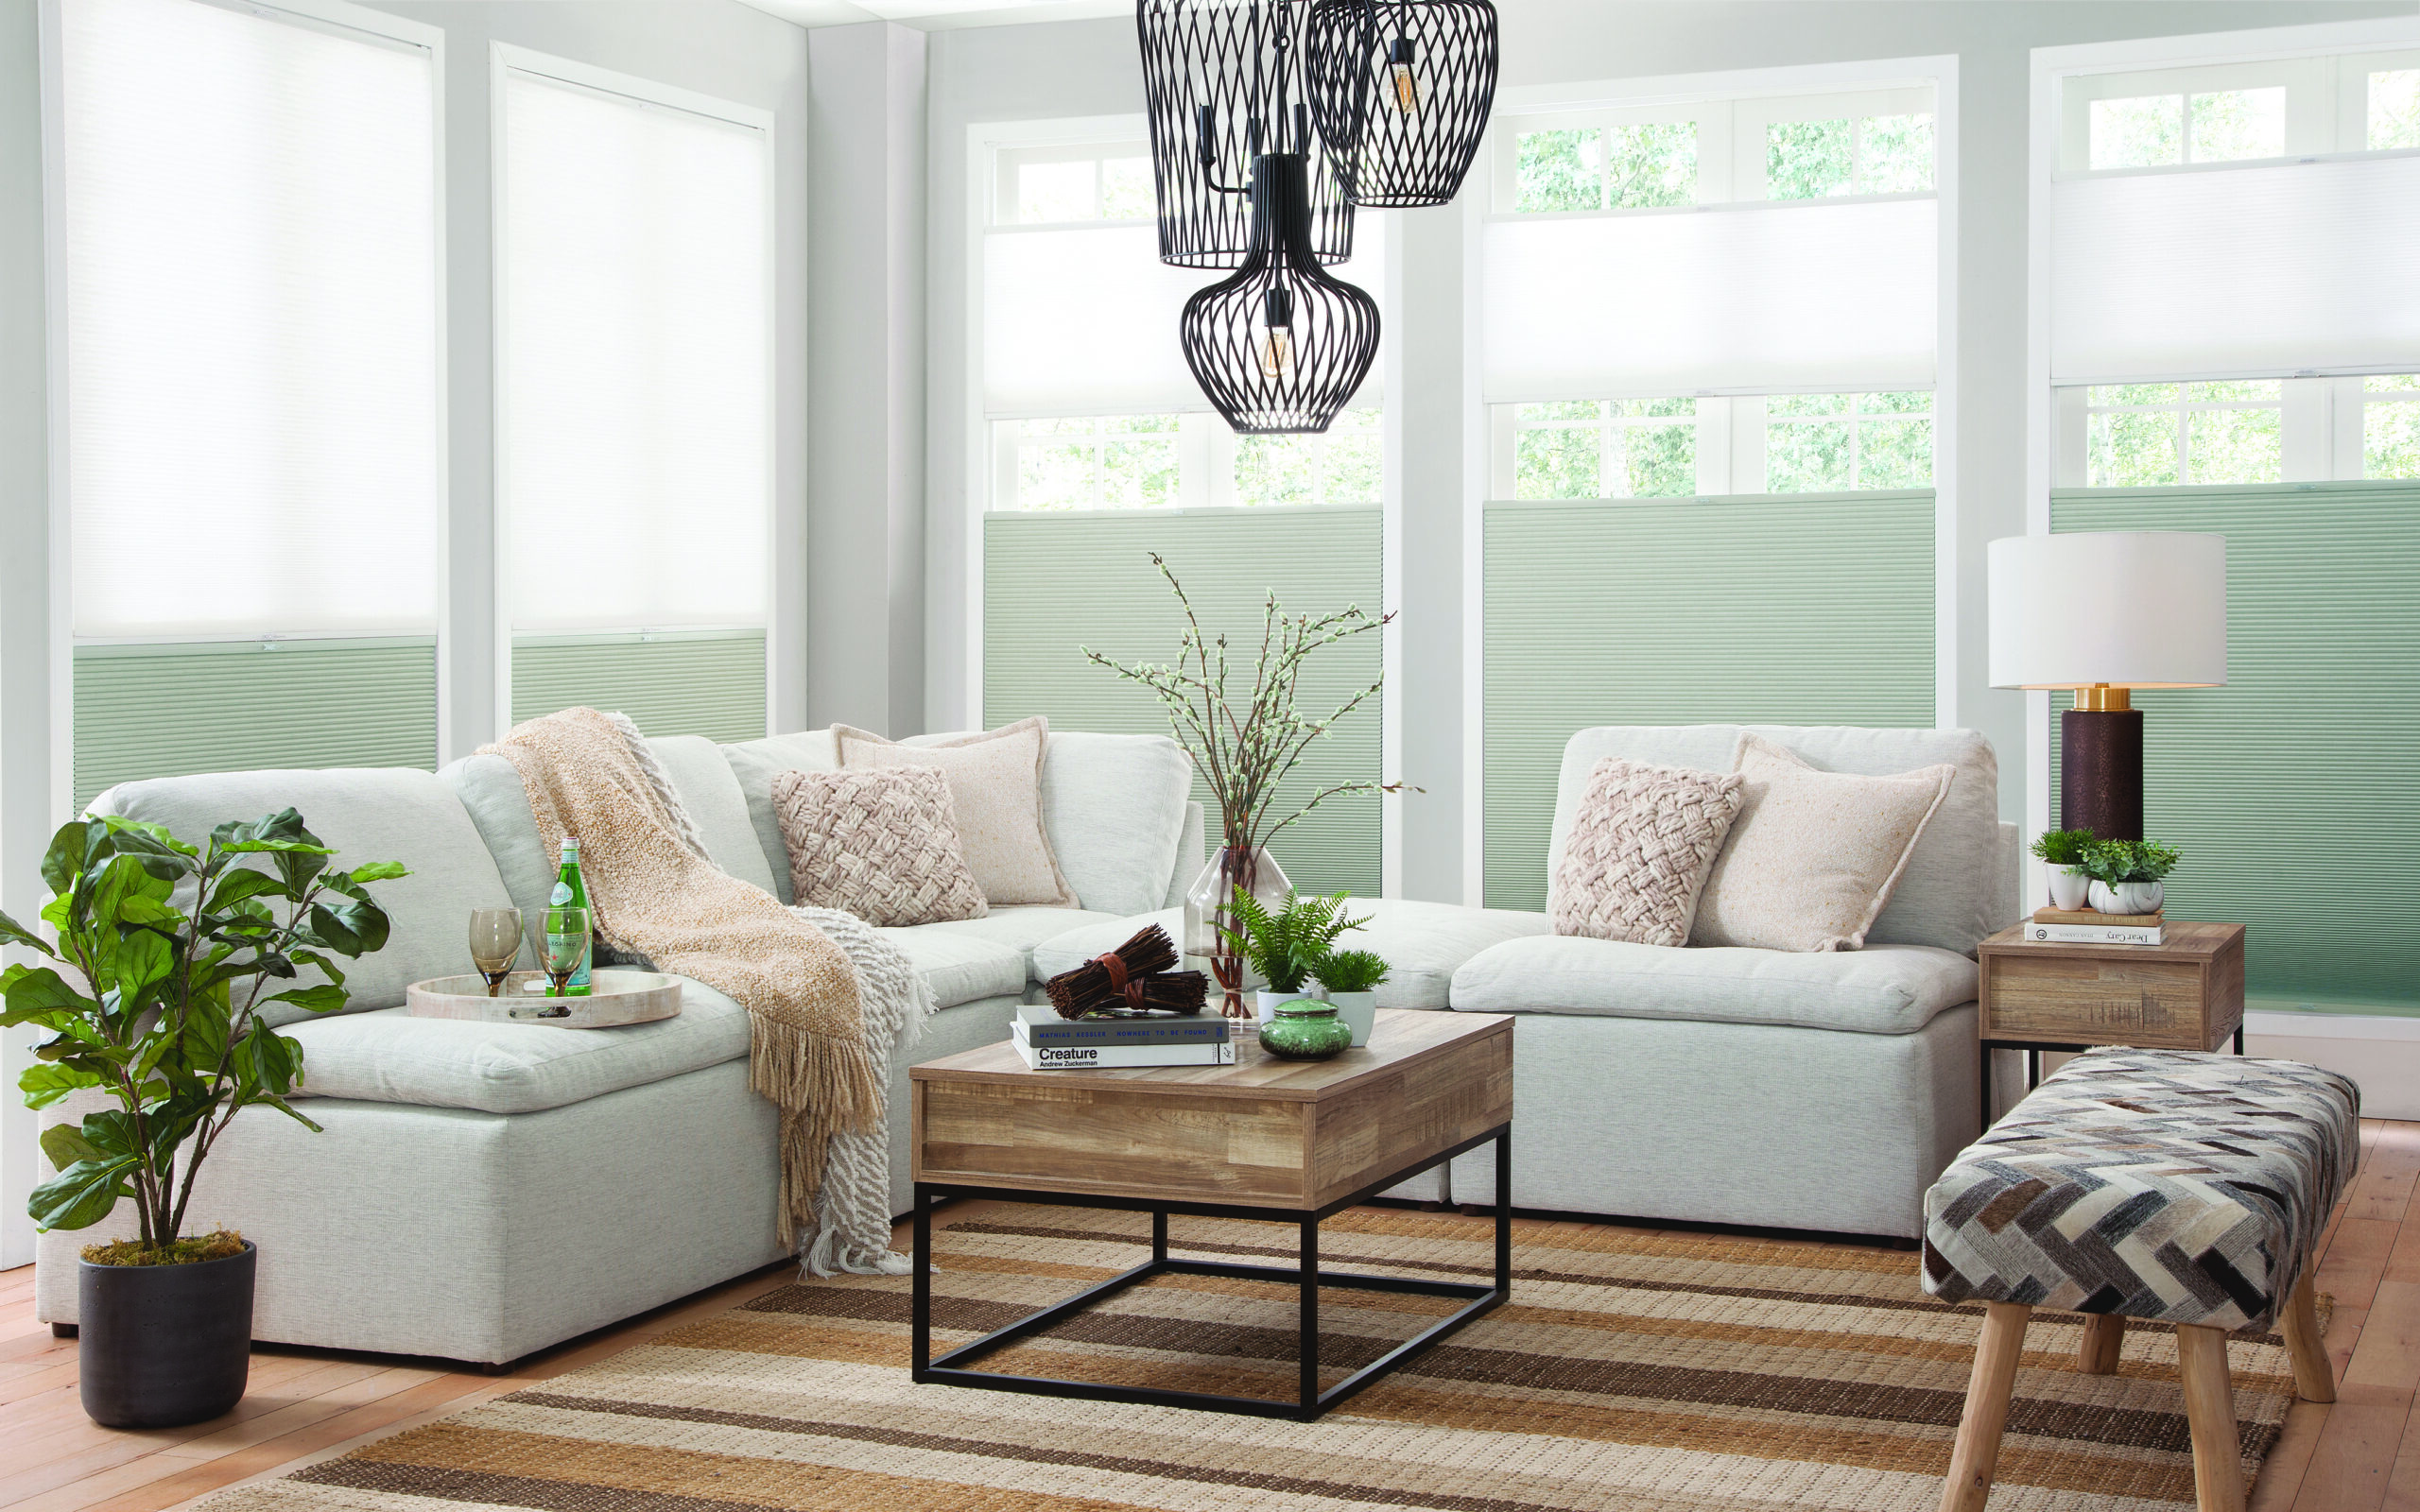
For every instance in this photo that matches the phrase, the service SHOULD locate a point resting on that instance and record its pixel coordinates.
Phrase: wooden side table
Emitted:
(2185, 993)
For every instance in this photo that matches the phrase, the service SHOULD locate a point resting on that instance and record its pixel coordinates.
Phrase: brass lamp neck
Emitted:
(2102, 699)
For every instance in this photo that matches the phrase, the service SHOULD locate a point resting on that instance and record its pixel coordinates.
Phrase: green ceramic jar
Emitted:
(1305, 1029)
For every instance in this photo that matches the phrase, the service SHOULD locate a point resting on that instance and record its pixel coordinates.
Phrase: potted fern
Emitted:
(1284, 946)
(1350, 980)
(2126, 875)
(165, 956)
(2061, 852)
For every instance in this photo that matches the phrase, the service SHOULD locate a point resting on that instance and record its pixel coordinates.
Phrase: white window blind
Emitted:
(635, 329)
(1777, 297)
(1082, 320)
(2229, 272)
(251, 323)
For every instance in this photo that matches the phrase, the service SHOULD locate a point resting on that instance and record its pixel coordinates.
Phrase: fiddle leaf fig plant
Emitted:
(165, 956)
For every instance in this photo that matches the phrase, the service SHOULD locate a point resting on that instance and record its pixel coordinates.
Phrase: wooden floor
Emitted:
(2362, 1455)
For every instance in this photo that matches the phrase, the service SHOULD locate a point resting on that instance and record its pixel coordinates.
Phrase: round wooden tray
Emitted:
(617, 997)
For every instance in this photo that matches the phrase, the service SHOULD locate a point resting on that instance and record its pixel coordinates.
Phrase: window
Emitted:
(634, 389)
(1645, 167)
(2393, 115)
(1849, 155)
(1040, 186)
(1341, 466)
(2225, 125)
(2251, 111)
(2390, 427)
(1097, 462)
(2147, 435)
(1606, 449)
(1827, 444)
(253, 440)
(1163, 461)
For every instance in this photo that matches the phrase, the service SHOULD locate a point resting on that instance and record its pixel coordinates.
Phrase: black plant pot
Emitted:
(161, 1346)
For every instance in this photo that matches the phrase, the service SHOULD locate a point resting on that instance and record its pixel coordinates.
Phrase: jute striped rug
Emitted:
(1633, 1369)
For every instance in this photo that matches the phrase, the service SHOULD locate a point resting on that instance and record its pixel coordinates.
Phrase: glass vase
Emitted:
(1208, 904)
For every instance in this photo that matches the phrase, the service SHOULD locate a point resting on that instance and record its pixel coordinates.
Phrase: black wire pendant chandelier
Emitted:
(1215, 75)
(1281, 346)
(1270, 120)
(1400, 92)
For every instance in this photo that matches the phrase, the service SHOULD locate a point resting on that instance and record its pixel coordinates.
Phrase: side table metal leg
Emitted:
(2238, 1038)
(1987, 1087)
(1504, 1214)
(920, 1289)
(1311, 1318)
(2032, 1069)
(1159, 1234)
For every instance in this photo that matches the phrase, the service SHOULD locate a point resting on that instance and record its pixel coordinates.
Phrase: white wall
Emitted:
(1090, 67)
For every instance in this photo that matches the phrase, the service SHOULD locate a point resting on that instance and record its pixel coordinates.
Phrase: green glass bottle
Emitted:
(571, 892)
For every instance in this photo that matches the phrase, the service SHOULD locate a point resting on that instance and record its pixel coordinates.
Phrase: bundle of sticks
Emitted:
(1132, 981)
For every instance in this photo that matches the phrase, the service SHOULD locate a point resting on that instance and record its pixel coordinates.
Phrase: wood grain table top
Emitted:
(2180, 940)
(1402, 1038)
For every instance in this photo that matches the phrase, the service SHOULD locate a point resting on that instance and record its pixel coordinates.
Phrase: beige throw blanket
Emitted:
(654, 894)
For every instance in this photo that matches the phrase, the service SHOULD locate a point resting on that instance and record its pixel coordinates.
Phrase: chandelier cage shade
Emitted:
(1223, 84)
(1400, 92)
(1282, 345)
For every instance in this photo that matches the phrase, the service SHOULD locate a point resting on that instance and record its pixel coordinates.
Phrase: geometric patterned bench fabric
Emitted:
(2161, 1184)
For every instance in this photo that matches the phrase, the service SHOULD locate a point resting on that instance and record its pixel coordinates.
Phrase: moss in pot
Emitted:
(153, 1011)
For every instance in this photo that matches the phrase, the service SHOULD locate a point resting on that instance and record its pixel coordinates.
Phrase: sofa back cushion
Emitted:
(1113, 805)
(367, 814)
(1951, 894)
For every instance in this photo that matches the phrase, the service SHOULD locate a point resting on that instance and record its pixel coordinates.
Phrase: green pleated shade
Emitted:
(1793, 609)
(693, 683)
(1054, 583)
(2291, 790)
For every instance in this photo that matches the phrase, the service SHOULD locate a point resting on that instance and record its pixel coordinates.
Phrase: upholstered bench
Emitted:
(2161, 1185)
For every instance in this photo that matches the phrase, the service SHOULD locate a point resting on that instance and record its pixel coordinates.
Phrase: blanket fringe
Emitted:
(796, 1069)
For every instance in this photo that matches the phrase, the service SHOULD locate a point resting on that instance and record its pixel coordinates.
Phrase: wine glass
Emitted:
(562, 946)
(495, 944)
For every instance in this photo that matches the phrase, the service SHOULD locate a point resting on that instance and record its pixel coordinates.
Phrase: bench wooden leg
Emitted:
(1977, 1451)
(2209, 1410)
(2314, 1377)
(2105, 1335)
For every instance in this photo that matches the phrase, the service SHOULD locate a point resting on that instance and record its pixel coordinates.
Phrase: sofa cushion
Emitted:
(960, 968)
(1951, 893)
(1115, 807)
(1879, 989)
(753, 764)
(367, 814)
(1022, 930)
(1423, 943)
(716, 803)
(512, 1068)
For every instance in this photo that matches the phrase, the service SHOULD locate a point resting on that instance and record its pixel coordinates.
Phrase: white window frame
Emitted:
(1732, 434)
(1486, 440)
(1003, 208)
(2053, 418)
(2349, 436)
(2327, 103)
(1206, 452)
(506, 59)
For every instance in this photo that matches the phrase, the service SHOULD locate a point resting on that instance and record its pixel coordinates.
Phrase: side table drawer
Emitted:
(2158, 1005)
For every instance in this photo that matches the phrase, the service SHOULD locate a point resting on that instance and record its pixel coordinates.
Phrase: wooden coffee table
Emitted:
(1280, 1141)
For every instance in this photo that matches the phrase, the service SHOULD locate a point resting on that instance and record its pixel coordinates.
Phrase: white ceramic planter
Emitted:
(1358, 1010)
(2069, 887)
(2127, 897)
(1265, 1003)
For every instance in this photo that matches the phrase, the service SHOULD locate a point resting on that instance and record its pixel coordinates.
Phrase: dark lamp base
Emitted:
(2101, 772)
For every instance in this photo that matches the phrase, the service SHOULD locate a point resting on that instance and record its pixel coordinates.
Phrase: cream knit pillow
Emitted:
(995, 788)
(1639, 851)
(878, 844)
(1815, 855)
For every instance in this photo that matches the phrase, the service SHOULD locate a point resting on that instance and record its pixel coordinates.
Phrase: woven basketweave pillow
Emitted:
(1639, 851)
(881, 844)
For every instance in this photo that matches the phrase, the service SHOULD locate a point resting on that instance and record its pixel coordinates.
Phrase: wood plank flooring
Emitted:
(2362, 1455)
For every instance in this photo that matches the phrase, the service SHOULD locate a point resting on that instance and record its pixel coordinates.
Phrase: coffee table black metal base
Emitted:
(1311, 1401)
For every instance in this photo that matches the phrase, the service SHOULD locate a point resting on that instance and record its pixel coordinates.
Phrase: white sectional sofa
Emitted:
(482, 1192)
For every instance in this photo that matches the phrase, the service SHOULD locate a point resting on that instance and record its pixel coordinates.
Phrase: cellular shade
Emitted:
(2229, 272)
(1769, 297)
(1084, 320)
(252, 324)
(634, 436)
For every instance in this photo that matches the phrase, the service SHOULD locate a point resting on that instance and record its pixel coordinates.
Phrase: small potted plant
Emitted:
(1283, 948)
(1350, 980)
(2126, 875)
(166, 951)
(2061, 852)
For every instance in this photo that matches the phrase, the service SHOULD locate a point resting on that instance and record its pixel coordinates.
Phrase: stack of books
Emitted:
(2083, 926)
(1046, 1041)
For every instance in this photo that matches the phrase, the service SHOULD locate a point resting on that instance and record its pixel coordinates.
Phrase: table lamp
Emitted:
(2105, 612)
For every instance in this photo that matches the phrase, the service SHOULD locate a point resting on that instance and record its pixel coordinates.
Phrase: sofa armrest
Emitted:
(2011, 894)
(1192, 855)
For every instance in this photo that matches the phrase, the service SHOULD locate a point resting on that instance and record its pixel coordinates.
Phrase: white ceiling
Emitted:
(937, 15)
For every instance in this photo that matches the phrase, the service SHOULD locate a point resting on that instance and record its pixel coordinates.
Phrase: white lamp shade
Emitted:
(2134, 608)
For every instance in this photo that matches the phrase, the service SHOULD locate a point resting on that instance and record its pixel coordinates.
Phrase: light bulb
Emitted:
(1399, 56)
(1276, 343)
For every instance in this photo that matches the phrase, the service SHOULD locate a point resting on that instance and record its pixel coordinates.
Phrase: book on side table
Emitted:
(2085, 926)
(1046, 1041)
